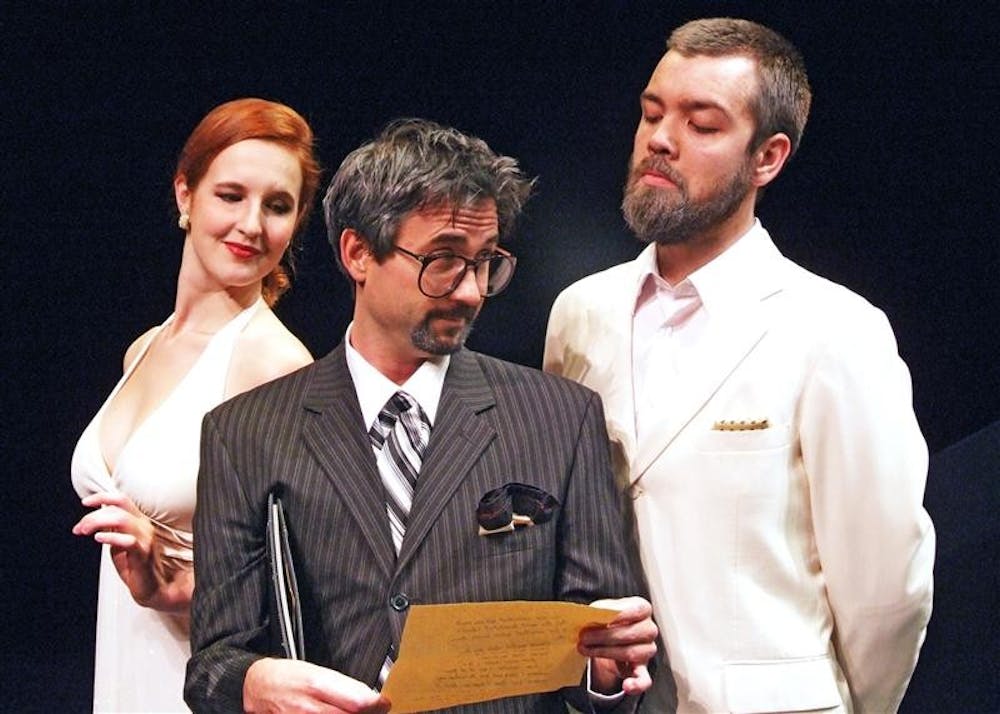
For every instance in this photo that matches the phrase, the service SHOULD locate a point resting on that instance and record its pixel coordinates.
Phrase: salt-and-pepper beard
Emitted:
(669, 216)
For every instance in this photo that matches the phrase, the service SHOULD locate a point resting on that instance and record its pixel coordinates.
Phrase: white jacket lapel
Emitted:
(736, 327)
(724, 348)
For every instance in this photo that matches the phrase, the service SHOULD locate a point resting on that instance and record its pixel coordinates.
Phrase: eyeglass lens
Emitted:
(442, 274)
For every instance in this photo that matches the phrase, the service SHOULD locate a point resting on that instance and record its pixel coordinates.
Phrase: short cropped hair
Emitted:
(415, 164)
(781, 102)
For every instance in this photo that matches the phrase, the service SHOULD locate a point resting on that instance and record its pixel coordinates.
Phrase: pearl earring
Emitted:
(184, 222)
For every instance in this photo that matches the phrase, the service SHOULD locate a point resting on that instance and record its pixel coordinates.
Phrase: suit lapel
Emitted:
(737, 327)
(728, 342)
(458, 439)
(336, 436)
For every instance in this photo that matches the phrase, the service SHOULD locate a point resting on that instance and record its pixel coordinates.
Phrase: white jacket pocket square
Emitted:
(747, 425)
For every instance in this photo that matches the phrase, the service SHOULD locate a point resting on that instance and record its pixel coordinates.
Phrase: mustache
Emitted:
(463, 312)
(659, 165)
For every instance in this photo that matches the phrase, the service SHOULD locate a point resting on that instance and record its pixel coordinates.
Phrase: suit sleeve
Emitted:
(866, 462)
(595, 562)
(228, 611)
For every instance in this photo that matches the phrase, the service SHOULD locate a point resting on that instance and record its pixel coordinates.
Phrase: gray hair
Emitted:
(414, 164)
(781, 102)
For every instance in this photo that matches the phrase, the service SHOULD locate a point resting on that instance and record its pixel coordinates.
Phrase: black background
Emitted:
(892, 194)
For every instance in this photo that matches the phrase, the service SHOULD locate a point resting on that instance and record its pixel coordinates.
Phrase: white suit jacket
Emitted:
(789, 561)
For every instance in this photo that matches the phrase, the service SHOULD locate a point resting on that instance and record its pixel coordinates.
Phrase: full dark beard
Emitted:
(423, 338)
(671, 217)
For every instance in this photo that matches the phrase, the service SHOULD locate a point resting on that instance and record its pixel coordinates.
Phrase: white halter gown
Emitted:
(142, 653)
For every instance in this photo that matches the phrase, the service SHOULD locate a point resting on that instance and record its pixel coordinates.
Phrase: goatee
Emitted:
(423, 337)
(669, 216)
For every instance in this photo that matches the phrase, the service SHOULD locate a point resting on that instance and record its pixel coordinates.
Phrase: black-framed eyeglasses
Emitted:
(443, 271)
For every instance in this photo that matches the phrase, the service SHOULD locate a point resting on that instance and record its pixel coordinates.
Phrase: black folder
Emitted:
(286, 610)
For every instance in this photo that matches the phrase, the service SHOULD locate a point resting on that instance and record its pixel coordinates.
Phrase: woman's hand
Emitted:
(135, 551)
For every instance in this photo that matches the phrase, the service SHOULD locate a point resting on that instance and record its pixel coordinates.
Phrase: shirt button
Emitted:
(399, 602)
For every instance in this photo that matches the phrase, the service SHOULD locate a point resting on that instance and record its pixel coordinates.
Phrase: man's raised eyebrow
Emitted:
(449, 239)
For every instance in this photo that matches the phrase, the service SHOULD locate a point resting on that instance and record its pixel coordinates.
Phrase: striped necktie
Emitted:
(399, 436)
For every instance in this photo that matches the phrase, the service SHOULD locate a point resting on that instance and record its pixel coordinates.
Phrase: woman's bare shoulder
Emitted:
(136, 347)
(266, 350)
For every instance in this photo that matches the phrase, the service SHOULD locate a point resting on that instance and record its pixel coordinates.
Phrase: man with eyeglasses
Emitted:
(401, 456)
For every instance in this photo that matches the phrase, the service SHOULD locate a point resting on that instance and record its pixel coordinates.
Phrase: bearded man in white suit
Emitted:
(760, 416)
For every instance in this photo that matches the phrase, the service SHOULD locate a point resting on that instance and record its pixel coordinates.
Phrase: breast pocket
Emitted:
(722, 441)
(755, 467)
(515, 541)
(519, 565)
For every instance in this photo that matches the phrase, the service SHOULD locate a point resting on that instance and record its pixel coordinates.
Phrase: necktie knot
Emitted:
(402, 408)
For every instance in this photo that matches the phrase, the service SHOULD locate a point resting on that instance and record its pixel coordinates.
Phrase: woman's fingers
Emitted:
(103, 519)
(118, 527)
(110, 498)
(125, 541)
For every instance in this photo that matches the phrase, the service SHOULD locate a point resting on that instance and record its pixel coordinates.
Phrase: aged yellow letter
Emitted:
(473, 652)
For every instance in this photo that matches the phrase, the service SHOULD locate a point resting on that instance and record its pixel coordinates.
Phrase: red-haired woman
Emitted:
(245, 182)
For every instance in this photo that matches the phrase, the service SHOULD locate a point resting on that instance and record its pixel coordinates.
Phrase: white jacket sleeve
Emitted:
(866, 462)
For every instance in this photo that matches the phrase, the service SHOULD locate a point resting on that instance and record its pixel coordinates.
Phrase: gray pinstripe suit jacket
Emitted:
(496, 423)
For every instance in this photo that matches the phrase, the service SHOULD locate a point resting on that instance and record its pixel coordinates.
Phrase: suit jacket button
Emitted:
(399, 602)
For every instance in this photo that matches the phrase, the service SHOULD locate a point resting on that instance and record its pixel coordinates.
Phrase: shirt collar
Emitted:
(374, 389)
(720, 283)
(650, 284)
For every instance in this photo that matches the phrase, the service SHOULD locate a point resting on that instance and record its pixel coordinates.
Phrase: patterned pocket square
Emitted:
(513, 504)
(749, 425)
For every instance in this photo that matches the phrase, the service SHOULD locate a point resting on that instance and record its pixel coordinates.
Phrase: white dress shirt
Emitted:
(375, 389)
(669, 321)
